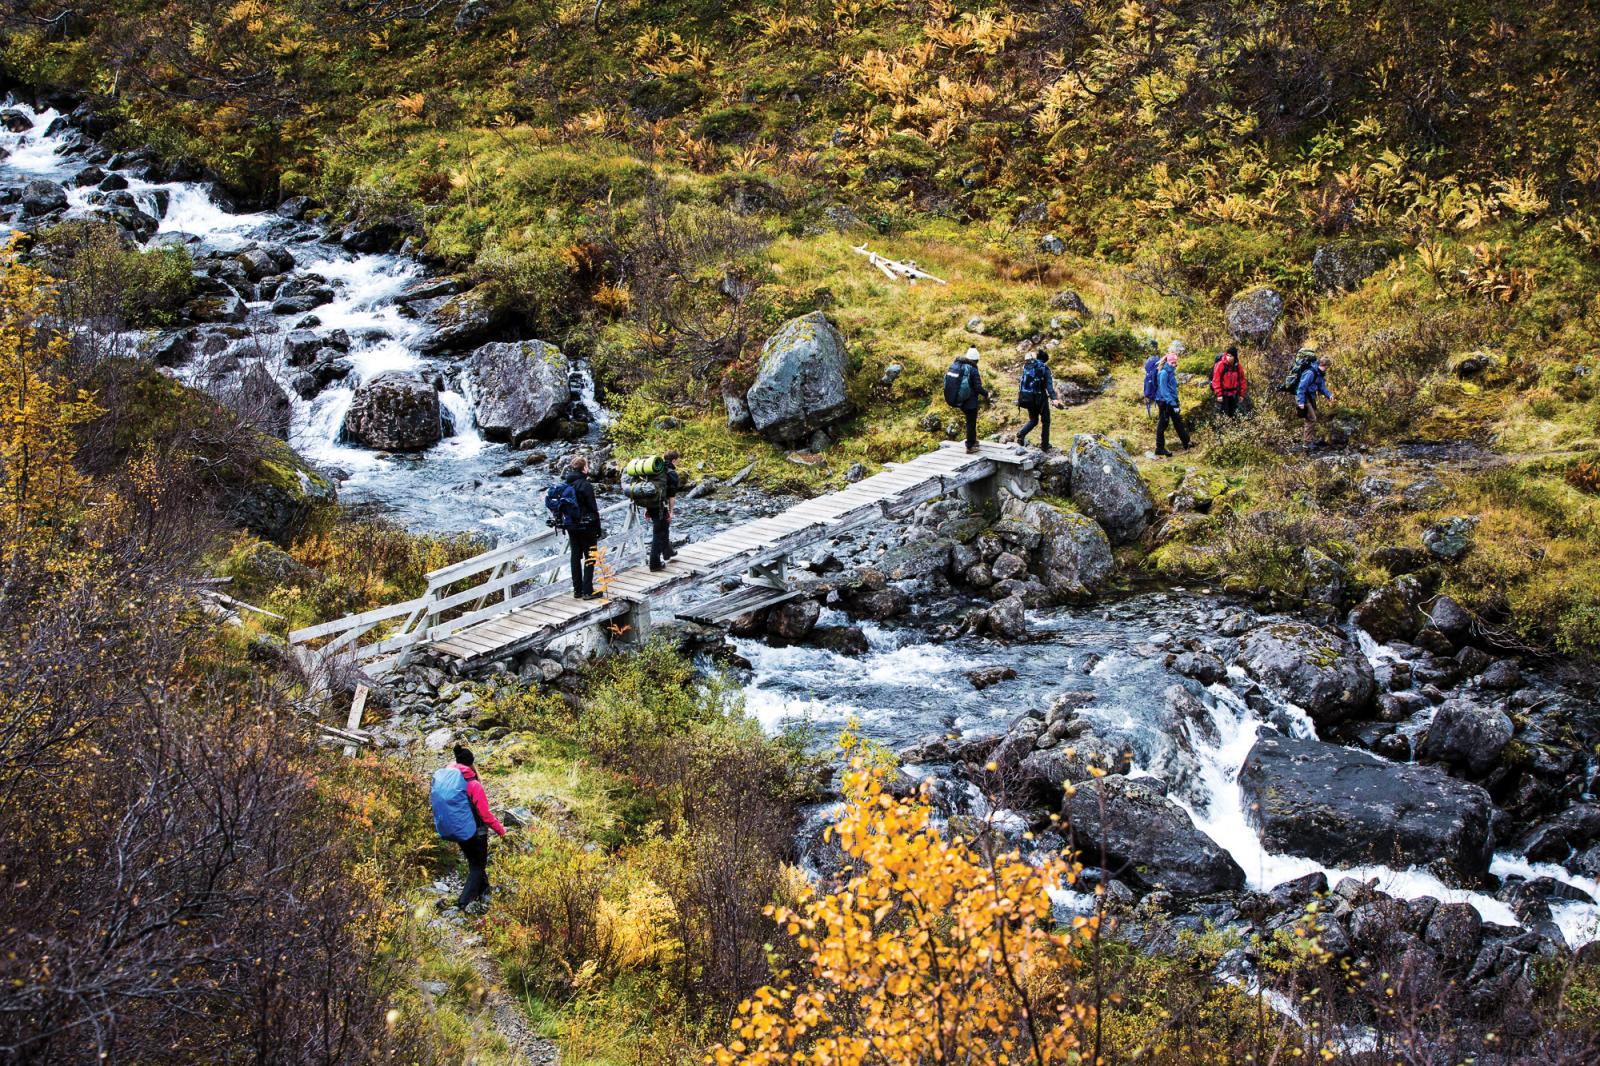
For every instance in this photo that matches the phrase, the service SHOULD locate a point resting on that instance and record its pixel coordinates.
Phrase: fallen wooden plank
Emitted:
(357, 706)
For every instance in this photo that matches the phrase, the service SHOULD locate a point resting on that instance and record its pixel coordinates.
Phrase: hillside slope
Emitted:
(660, 185)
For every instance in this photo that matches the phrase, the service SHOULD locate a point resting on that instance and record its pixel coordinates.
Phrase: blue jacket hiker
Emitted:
(1313, 384)
(1036, 391)
(1166, 400)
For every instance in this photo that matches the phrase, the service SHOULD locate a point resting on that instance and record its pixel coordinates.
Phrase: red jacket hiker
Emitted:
(1227, 378)
(480, 799)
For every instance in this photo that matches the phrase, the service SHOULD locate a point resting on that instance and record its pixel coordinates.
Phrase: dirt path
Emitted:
(510, 1021)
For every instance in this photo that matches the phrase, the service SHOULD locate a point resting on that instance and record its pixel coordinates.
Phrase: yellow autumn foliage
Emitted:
(933, 951)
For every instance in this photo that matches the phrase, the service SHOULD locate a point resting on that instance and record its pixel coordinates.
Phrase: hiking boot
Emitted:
(972, 449)
(1046, 448)
(656, 568)
(1163, 454)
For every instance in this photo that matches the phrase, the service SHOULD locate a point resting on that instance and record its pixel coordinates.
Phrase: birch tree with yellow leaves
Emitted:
(932, 952)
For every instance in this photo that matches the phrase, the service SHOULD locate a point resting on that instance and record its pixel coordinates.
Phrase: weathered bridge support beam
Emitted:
(1008, 481)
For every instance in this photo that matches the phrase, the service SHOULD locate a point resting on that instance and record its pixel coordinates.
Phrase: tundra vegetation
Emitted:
(657, 187)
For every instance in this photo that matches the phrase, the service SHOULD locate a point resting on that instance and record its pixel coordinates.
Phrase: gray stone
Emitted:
(1073, 555)
(1129, 828)
(1466, 735)
(394, 412)
(519, 388)
(439, 739)
(15, 120)
(1503, 675)
(1005, 620)
(1341, 266)
(1346, 807)
(793, 620)
(1316, 669)
(1052, 244)
(465, 321)
(800, 383)
(1392, 611)
(43, 197)
(738, 410)
(1451, 539)
(855, 473)
(1107, 487)
(1450, 618)
(262, 400)
(1067, 300)
(1454, 930)
(471, 15)
(1252, 315)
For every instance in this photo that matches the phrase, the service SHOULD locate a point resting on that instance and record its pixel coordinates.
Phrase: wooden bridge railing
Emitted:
(522, 572)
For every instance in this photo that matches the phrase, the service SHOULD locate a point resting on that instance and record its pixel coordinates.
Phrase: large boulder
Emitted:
(43, 197)
(1450, 539)
(1138, 835)
(463, 321)
(1467, 735)
(1252, 315)
(1107, 487)
(1073, 557)
(1341, 266)
(1314, 668)
(1393, 611)
(799, 384)
(395, 412)
(261, 400)
(519, 388)
(1347, 807)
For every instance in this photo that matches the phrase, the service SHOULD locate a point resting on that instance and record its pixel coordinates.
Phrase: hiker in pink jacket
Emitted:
(476, 849)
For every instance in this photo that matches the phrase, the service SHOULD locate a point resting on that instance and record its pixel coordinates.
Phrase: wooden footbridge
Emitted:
(512, 599)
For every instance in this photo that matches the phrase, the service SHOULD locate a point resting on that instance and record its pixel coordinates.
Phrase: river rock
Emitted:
(519, 388)
(329, 367)
(1107, 487)
(300, 346)
(1467, 735)
(1574, 829)
(990, 675)
(1253, 314)
(1346, 807)
(1454, 930)
(1341, 266)
(800, 383)
(1073, 555)
(262, 400)
(463, 321)
(1006, 619)
(793, 620)
(1392, 611)
(1132, 830)
(1314, 668)
(1503, 675)
(43, 197)
(841, 640)
(370, 235)
(395, 412)
(1448, 617)
(264, 260)
(15, 120)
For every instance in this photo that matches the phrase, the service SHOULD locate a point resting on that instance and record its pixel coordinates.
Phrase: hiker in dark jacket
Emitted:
(1167, 404)
(1037, 400)
(585, 533)
(660, 514)
(1313, 383)
(966, 365)
(1228, 383)
(476, 850)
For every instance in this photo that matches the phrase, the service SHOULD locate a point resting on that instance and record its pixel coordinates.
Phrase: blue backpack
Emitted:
(453, 816)
(1152, 367)
(1030, 390)
(561, 499)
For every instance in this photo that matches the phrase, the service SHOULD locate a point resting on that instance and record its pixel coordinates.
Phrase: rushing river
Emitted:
(906, 685)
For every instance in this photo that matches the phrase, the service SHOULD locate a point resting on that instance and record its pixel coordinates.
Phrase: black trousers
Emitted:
(582, 542)
(1037, 416)
(972, 427)
(476, 851)
(1231, 405)
(660, 536)
(1169, 414)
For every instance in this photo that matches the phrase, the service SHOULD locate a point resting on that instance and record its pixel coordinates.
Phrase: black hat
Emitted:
(1233, 350)
(463, 755)
(1042, 355)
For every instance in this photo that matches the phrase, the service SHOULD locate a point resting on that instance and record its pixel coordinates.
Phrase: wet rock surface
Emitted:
(1347, 807)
